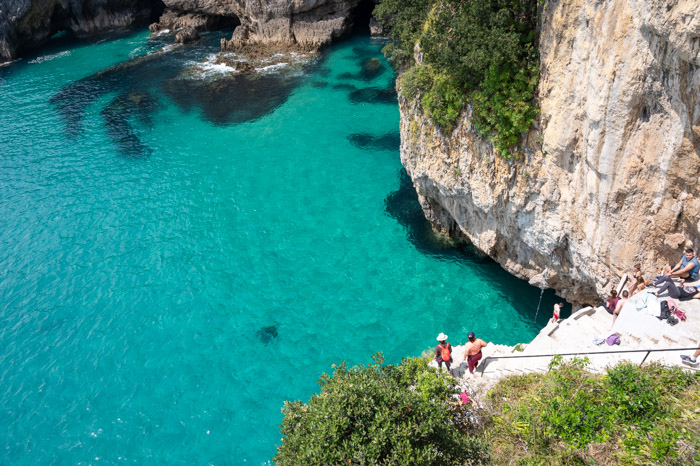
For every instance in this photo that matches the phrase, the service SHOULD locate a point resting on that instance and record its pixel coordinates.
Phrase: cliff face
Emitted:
(305, 24)
(609, 176)
(302, 23)
(28, 23)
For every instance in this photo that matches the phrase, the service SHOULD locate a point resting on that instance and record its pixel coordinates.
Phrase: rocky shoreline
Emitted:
(261, 28)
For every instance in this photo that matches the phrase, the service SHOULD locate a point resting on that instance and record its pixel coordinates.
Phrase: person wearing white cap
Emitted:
(443, 352)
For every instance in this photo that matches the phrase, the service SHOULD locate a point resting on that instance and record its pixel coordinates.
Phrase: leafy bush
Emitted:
(404, 21)
(378, 414)
(481, 51)
(631, 415)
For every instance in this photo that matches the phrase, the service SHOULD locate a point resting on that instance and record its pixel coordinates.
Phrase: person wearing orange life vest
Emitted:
(443, 352)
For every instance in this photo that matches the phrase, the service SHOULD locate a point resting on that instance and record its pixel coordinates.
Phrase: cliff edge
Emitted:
(608, 176)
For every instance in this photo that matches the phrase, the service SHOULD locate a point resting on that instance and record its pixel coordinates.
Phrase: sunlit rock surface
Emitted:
(608, 178)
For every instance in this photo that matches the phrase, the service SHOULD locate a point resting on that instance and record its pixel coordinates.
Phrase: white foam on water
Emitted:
(270, 68)
(209, 66)
(44, 58)
(9, 62)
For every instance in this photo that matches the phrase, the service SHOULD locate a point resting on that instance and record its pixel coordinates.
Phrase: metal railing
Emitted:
(647, 351)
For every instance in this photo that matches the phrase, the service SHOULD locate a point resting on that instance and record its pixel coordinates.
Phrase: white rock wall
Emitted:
(611, 176)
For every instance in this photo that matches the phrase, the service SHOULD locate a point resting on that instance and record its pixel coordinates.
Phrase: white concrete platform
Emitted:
(637, 329)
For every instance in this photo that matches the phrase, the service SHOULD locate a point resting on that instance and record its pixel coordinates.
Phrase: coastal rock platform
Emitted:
(575, 337)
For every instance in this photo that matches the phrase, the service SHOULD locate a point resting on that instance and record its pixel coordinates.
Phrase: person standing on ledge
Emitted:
(472, 351)
(687, 267)
(556, 315)
(443, 352)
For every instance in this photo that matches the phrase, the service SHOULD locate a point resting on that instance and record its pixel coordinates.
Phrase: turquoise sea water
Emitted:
(181, 251)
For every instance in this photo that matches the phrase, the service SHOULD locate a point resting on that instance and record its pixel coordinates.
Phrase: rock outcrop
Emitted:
(28, 23)
(269, 24)
(610, 174)
(302, 24)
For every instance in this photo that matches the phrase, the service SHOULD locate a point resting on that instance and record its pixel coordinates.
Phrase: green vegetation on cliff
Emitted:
(378, 414)
(406, 414)
(481, 52)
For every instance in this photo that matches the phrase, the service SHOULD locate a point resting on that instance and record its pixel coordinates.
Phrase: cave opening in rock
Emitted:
(157, 8)
(225, 22)
(362, 14)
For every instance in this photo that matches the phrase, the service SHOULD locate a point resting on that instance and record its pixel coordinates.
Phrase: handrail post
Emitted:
(645, 358)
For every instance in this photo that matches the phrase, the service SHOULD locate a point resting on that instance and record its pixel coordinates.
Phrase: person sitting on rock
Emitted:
(687, 267)
(443, 352)
(472, 351)
(620, 304)
(639, 285)
(684, 293)
(611, 303)
(636, 274)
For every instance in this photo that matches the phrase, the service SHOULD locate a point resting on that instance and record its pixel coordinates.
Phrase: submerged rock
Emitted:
(267, 334)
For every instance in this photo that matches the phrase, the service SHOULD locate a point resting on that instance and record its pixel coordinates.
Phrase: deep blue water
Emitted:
(182, 250)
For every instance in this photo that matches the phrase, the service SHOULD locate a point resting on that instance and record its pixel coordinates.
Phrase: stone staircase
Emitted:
(576, 335)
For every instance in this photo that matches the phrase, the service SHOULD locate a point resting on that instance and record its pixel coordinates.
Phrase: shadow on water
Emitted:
(403, 206)
(374, 95)
(221, 98)
(389, 141)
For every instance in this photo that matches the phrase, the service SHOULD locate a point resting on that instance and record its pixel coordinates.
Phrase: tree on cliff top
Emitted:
(379, 414)
(479, 51)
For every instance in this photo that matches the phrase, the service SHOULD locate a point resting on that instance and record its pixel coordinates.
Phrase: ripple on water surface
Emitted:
(183, 252)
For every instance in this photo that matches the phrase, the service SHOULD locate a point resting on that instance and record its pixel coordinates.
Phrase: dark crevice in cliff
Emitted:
(157, 9)
(361, 15)
(78, 19)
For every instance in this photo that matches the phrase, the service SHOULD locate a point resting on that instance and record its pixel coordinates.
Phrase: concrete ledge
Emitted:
(586, 311)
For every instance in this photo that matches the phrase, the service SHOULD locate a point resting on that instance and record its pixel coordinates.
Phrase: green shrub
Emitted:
(573, 412)
(403, 19)
(478, 51)
(377, 414)
(630, 415)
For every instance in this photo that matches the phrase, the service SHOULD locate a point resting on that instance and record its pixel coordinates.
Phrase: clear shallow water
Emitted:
(181, 251)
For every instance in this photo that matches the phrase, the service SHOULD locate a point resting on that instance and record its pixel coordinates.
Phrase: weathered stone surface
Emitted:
(298, 25)
(304, 24)
(186, 35)
(27, 23)
(173, 20)
(375, 28)
(610, 176)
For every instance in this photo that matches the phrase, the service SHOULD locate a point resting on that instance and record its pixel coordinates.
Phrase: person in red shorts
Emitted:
(556, 315)
(472, 351)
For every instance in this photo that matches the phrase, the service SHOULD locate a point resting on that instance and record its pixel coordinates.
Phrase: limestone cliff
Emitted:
(609, 175)
(304, 24)
(28, 23)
